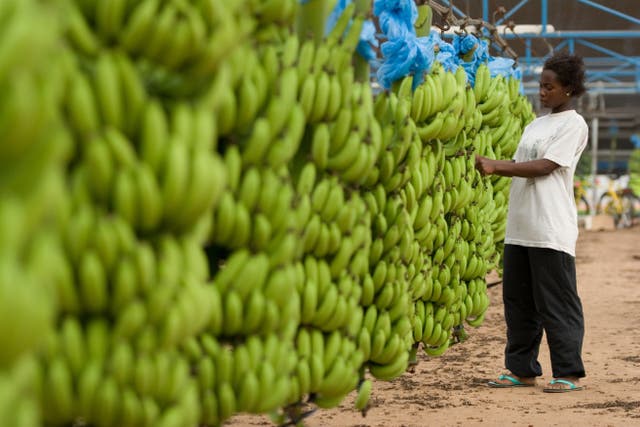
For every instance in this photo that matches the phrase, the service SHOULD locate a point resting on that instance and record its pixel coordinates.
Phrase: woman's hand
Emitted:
(485, 165)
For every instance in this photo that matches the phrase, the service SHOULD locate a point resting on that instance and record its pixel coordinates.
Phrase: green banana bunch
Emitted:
(33, 200)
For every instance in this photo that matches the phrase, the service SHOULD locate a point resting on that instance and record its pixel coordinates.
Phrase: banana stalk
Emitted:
(312, 16)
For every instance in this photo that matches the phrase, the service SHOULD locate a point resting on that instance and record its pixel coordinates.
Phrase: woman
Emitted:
(539, 280)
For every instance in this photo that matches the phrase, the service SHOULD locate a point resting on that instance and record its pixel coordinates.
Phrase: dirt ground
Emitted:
(451, 390)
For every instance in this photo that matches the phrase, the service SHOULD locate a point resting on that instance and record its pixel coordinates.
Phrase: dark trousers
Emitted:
(539, 292)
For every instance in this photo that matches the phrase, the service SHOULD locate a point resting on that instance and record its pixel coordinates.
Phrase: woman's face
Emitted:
(552, 93)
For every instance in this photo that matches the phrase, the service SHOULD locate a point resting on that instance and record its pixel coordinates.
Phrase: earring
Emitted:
(568, 93)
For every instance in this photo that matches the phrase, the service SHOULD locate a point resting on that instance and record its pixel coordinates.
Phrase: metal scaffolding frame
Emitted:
(611, 73)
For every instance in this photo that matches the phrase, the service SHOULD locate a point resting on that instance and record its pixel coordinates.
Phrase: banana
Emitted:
(336, 380)
(358, 171)
(176, 53)
(392, 370)
(207, 181)
(130, 320)
(154, 138)
(92, 282)
(321, 98)
(305, 59)
(482, 82)
(334, 201)
(133, 92)
(161, 33)
(285, 147)
(257, 144)
(251, 276)
(174, 180)
(430, 131)
(88, 382)
(72, 343)
(227, 404)
(80, 34)
(309, 302)
(82, 106)
(334, 101)
(139, 26)
(248, 106)
(248, 396)
(100, 168)
(57, 390)
(307, 94)
(121, 363)
(389, 352)
(326, 306)
(364, 394)
(227, 111)
(151, 411)
(347, 155)
(109, 17)
(429, 99)
(306, 179)
(311, 234)
(107, 86)
(233, 265)
(233, 313)
(351, 39)
(124, 284)
(339, 317)
(149, 197)
(496, 99)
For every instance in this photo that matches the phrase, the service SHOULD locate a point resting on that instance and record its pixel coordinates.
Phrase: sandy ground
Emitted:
(451, 390)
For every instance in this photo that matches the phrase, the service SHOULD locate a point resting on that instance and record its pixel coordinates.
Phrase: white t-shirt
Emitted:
(542, 211)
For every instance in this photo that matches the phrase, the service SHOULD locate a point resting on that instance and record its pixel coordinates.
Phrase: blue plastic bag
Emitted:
(464, 44)
(403, 56)
(447, 55)
(367, 41)
(396, 17)
(501, 67)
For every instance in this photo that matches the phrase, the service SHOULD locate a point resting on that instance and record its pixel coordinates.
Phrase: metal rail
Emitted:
(611, 73)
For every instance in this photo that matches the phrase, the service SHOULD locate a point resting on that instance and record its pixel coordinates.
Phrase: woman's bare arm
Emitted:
(530, 169)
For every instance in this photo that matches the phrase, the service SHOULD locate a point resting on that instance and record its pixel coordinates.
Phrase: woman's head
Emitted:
(562, 79)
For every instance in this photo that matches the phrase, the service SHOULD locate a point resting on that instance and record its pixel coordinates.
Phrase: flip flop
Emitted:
(514, 382)
(572, 387)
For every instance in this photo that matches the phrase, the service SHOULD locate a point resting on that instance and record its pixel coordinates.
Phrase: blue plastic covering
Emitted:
(462, 45)
(403, 53)
(367, 41)
(447, 54)
(501, 67)
(396, 17)
(403, 56)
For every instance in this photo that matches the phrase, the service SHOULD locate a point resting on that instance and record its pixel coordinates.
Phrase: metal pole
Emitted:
(594, 164)
(543, 18)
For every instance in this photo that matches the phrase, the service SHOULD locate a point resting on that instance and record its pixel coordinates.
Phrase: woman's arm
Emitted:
(530, 169)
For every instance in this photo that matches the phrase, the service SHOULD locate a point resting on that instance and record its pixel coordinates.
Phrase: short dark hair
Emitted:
(570, 71)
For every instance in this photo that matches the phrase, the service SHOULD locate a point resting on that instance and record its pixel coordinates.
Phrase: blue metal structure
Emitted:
(609, 73)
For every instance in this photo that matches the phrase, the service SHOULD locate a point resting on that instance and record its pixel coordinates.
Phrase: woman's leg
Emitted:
(524, 328)
(556, 296)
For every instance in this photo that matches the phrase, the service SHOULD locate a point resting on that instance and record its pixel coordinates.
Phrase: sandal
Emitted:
(513, 382)
(570, 386)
